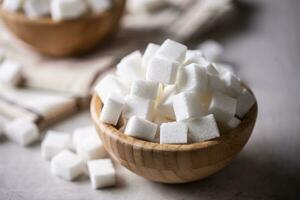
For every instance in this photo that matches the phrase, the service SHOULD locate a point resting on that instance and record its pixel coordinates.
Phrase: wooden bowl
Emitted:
(65, 38)
(173, 163)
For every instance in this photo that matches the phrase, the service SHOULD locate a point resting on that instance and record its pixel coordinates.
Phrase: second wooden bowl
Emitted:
(65, 38)
(173, 163)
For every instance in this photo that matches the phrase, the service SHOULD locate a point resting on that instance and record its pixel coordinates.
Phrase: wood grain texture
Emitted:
(68, 37)
(169, 163)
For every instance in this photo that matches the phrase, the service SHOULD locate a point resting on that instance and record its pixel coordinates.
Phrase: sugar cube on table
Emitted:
(162, 70)
(22, 131)
(245, 101)
(102, 173)
(81, 133)
(204, 128)
(91, 147)
(130, 67)
(98, 6)
(110, 84)
(144, 89)
(140, 107)
(212, 50)
(186, 105)
(12, 5)
(10, 73)
(193, 77)
(112, 109)
(222, 107)
(54, 143)
(67, 9)
(165, 104)
(172, 50)
(148, 55)
(67, 165)
(141, 128)
(36, 8)
(233, 84)
(173, 133)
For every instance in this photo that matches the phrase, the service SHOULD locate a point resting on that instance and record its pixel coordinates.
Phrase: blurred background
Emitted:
(261, 44)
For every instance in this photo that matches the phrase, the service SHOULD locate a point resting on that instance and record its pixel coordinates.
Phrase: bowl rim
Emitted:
(138, 143)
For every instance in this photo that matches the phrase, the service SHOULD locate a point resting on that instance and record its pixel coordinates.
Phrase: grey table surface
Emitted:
(263, 43)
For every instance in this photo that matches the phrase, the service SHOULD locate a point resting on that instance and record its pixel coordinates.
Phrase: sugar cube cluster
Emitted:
(174, 94)
(57, 9)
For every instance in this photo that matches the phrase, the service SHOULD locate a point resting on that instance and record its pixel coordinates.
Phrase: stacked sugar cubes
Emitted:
(58, 9)
(174, 94)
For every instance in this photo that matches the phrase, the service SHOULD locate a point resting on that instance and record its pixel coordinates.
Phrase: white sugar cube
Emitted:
(140, 107)
(91, 147)
(245, 102)
(193, 77)
(112, 109)
(233, 84)
(186, 105)
(212, 69)
(204, 128)
(172, 50)
(212, 50)
(216, 83)
(110, 84)
(193, 56)
(165, 104)
(67, 9)
(12, 5)
(141, 128)
(173, 133)
(22, 131)
(81, 133)
(10, 73)
(162, 71)
(37, 8)
(233, 122)
(102, 173)
(223, 107)
(67, 165)
(224, 68)
(130, 67)
(99, 6)
(54, 143)
(144, 89)
(149, 54)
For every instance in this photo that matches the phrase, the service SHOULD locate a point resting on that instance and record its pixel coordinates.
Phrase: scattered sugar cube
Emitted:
(186, 105)
(22, 131)
(10, 72)
(165, 104)
(245, 101)
(67, 9)
(193, 56)
(54, 143)
(112, 109)
(172, 50)
(144, 89)
(67, 165)
(233, 84)
(212, 50)
(110, 84)
(140, 107)
(204, 128)
(233, 122)
(162, 71)
(99, 6)
(173, 133)
(102, 173)
(141, 128)
(223, 107)
(130, 67)
(12, 5)
(81, 133)
(37, 8)
(193, 77)
(91, 147)
(149, 54)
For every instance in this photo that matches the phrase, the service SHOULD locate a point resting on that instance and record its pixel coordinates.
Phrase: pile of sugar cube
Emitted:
(58, 9)
(71, 156)
(173, 95)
